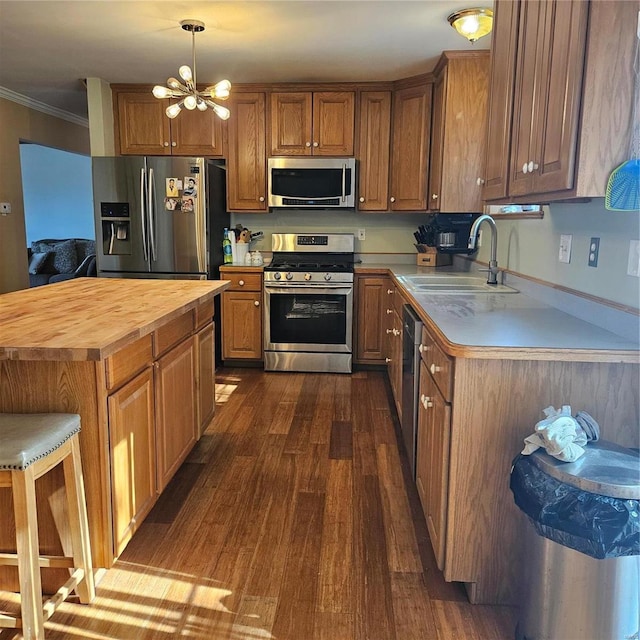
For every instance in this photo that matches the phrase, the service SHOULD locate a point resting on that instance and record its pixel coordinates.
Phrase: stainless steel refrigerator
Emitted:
(159, 217)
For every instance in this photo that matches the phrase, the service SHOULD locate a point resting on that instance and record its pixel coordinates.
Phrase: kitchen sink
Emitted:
(451, 284)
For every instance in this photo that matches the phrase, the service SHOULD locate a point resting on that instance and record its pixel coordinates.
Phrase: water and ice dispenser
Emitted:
(116, 229)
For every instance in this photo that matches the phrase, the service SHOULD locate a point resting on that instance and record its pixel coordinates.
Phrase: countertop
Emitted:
(90, 318)
(510, 325)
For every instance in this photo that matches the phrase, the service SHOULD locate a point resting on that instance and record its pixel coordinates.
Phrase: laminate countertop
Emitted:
(91, 318)
(517, 325)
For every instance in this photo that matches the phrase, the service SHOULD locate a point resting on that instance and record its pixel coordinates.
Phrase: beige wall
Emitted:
(21, 124)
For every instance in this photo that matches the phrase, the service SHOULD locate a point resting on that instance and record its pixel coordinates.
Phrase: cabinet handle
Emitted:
(256, 303)
(315, 144)
(241, 283)
(387, 360)
(480, 181)
(435, 368)
(434, 196)
(166, 144)
(361, 199)
(307, 144)
(261, 198)
(389, 311)
(389, 331)
(389, 292)
(174, 144)
(392, 199)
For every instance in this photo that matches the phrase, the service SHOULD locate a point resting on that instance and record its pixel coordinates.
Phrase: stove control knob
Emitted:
(289, 275)
(307, 276)
(277, 275)
(327, 276)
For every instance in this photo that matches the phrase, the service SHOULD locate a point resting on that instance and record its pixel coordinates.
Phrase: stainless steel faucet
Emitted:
(492, 277)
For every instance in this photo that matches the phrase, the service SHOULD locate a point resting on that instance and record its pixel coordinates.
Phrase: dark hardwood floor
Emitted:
(292, 519)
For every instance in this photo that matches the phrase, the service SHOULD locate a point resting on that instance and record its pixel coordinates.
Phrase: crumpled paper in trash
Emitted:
(560, 434)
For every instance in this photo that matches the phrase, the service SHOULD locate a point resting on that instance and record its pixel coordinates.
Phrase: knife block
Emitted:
(429, 257)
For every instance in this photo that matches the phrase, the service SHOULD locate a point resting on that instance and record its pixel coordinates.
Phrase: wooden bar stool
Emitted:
(30, 446)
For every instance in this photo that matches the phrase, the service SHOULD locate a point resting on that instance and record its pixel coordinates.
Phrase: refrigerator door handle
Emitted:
(143, 216)
(152, 214)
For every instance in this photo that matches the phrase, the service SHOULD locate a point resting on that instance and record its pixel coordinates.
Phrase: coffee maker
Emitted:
(449, 232)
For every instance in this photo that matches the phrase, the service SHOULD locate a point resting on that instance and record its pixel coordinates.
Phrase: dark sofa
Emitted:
(57, 260)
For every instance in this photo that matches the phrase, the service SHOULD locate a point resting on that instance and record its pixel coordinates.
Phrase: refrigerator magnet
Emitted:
(187, 204)
(170, 204)
(172, 188)
(190, 186)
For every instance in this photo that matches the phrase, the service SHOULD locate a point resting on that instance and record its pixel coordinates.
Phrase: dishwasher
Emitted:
(412, 335)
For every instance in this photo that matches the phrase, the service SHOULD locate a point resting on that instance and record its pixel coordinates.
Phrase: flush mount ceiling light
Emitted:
(472, 23)
(189, 97)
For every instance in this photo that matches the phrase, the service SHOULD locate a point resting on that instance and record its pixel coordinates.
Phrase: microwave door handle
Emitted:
(344, 181)
(143, 214)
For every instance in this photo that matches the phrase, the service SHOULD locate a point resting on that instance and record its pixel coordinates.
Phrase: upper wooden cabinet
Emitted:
(312, 123)
(410, 148)
(143, 128)
(374, 132)
(458, 131)
(246, 158)
(570, 106)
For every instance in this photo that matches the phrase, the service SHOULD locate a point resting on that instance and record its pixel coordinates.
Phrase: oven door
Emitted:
(304, 318)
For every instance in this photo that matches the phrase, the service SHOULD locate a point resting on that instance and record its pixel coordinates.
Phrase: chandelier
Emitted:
(472, 23)
(189, 96)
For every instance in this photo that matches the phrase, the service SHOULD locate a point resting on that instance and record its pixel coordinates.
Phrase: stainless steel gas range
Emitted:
(308, 303)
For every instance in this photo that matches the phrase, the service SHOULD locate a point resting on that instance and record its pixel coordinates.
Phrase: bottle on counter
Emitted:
(226, 248)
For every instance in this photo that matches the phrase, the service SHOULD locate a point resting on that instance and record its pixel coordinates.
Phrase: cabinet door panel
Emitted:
(437, 142)
(197, 133)
(333, 123)
(371, 318)
(291, 124)
(410, 155)
(247, 171)
(133, 460)
(143, 127)
(373, 155)
(241, 325)
(176, 409)
(205, 382)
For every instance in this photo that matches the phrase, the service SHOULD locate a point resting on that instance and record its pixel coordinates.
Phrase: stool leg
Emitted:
(79, 525)
(24, 505)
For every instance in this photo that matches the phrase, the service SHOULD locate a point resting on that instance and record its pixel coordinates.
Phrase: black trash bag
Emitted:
(596, 525)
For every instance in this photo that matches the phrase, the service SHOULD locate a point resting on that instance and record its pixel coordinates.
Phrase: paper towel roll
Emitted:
(232, 239)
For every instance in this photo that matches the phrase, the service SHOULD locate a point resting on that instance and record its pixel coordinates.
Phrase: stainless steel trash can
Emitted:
(581, 573)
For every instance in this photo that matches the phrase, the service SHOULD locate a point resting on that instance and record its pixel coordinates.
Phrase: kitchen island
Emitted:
(134, 358)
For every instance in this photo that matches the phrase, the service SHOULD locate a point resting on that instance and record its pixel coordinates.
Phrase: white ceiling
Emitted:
(48, 47)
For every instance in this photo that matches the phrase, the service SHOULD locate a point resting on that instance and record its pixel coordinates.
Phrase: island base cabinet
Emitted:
(133, 460)
(176, 429)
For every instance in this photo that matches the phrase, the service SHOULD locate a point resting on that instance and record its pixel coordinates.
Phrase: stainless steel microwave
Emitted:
(318, 183)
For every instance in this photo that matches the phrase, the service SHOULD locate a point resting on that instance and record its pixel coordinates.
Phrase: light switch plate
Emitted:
(564, 254)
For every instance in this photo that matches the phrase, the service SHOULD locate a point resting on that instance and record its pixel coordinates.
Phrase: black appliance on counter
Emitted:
(448, 232)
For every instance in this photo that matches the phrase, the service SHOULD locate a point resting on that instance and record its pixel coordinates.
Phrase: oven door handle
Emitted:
(293, 288)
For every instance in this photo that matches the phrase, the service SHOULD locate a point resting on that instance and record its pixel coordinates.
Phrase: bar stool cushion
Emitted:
(27, 437)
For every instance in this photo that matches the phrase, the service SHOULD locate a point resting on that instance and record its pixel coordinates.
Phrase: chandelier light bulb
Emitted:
(189, 96)
(469, 25)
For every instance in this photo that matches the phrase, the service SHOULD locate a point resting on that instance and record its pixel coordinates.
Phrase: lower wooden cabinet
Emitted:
(432, 460)
(133, 455)
(176, 429)
(205, 380)
(371, 319)
(394, 331)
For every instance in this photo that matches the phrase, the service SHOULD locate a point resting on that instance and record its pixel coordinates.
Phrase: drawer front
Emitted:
(204, 313)
(243, 281)
(124, 364)
(173, 332)
(439, 364)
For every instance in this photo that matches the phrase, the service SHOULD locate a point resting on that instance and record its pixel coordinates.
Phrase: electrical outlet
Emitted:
(564, 254)
(5, 207)
(361, 234)
(594, 248)
(633, 263)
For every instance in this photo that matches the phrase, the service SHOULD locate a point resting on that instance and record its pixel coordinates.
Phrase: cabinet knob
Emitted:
(434, 196)
(480, 181)
(525, 168)
(307, 144)
(389, 311)
(435, 368)
(261, 198)
(532, 166)
(256, 303)
(389, 330)
(241, 283)
(174, 144)
(315, 144)
(389, 292)
(361, 199)
(392, 199)
(166, 144)
(387, 360)
(426, 401)
(396, 332)
(423, 348)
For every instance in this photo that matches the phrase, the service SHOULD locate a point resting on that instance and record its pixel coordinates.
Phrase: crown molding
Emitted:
(7, 94)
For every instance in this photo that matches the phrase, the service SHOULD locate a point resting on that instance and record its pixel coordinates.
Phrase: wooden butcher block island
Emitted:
(135, 358)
